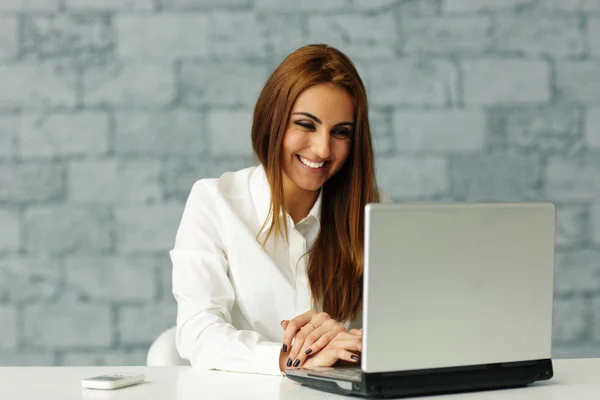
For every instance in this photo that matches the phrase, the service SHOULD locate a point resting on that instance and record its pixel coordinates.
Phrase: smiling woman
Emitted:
(268, 261)
(314, 149)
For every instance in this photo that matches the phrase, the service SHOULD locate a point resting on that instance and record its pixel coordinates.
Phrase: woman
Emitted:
(264, 244)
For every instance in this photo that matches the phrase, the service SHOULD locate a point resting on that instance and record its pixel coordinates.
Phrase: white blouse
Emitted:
(231, 294)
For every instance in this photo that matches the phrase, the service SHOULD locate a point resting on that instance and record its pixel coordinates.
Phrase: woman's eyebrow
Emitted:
(317, 120)
(309, 115)
(347, 123)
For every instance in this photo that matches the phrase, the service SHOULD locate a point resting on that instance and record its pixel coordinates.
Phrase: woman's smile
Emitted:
(312, 166)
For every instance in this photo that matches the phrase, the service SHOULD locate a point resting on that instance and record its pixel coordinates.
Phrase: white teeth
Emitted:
(310, 163)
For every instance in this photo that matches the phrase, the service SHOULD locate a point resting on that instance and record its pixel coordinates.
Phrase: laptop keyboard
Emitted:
(345, 373)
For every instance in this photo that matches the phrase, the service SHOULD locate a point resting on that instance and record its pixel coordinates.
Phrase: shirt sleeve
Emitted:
(205, 296)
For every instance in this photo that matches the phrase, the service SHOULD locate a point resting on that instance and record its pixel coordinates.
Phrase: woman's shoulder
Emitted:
(232, 184)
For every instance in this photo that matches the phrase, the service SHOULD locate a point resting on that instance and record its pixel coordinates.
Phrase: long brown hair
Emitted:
(335, 264)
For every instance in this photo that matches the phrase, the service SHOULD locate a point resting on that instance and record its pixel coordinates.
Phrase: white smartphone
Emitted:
(112, 381)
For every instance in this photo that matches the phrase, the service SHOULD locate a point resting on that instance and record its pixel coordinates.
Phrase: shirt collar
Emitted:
(261, 197)
(315, 211)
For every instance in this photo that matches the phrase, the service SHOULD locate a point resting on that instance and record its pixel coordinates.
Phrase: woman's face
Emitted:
(317, 140)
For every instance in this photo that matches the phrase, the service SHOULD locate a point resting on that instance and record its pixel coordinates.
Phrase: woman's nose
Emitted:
(320, 144)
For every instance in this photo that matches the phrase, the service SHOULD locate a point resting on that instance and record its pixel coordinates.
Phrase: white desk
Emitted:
(573, 380)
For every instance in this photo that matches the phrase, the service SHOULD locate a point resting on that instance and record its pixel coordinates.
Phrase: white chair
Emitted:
(163, 352)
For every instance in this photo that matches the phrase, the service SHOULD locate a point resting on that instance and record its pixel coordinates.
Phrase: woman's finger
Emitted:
(352, 344)
(346, 355)
(293, 327)
(296, 341)
(330, 328)
(299, 340)
(335, 351)
(319, 319)
(325, 334)
(322, 336)
(326, 340)
(346, 335)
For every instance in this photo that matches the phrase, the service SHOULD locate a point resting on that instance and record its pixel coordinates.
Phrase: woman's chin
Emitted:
(310, 186)
(307, 182)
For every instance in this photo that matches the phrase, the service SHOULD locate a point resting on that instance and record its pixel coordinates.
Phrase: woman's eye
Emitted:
(341, 133)
(306, 125)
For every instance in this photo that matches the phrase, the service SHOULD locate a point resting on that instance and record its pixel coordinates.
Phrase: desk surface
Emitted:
(573, 379)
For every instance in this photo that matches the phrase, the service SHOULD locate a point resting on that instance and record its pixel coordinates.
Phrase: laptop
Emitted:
(457, 297)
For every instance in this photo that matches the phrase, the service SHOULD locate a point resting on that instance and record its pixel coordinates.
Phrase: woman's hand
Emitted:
(311, 332)
(344, 347)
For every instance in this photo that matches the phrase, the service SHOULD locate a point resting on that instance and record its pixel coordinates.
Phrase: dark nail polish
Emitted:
(354, 357)
(284, 348)
(289, 362)
(308, 351)
(296, 363)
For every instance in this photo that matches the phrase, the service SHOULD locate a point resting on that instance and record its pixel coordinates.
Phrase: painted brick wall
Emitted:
(111, 109)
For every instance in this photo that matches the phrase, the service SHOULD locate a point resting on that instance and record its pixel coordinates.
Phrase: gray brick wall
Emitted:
(111, 109)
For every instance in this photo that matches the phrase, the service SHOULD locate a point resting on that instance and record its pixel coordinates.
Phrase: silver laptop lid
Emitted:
(455, 284)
